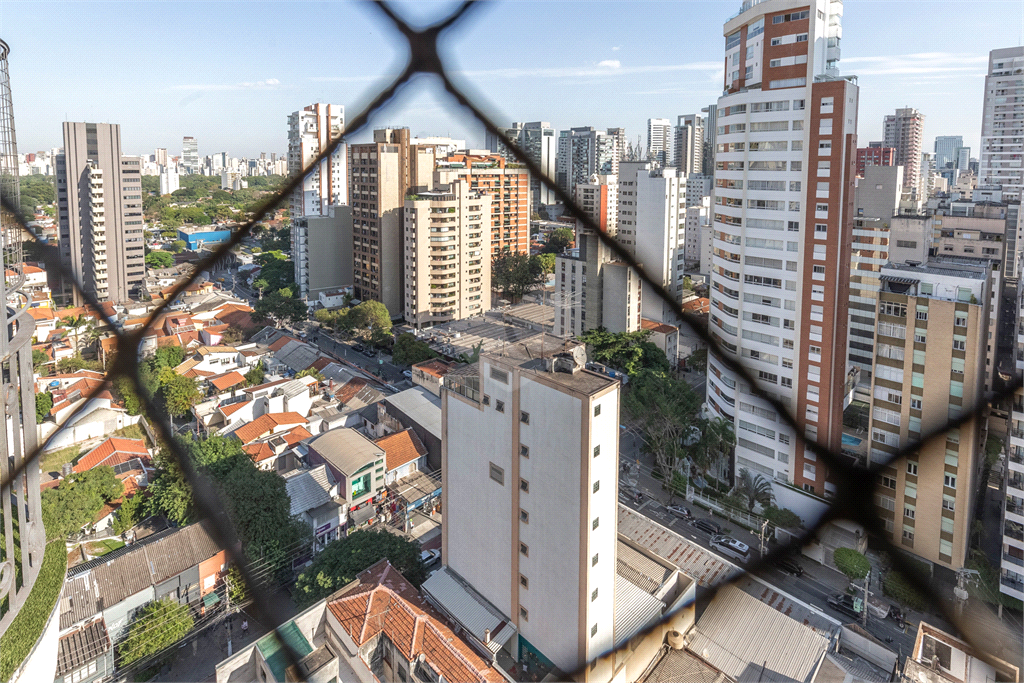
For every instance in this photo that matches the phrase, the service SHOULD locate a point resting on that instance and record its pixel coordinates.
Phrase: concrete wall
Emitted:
(329, 240)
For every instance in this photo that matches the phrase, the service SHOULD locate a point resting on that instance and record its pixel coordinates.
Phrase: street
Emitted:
(379, 364)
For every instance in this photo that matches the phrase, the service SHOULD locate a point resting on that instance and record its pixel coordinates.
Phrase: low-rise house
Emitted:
(940, 657)
(312, 493)
(266, 425)
(283, 395)
(430, 373)
(85, 654)
(357, 464)
(377, 628)
(46, 322)
(211, 359)
(420, 410)
(275, 452)
(404, 454)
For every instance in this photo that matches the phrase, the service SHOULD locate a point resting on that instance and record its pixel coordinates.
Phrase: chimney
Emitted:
(487, 636)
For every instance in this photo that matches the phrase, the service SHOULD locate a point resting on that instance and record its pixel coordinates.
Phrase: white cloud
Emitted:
(610, 63)
(605, 70)
(616, 48)
(916, 64)
(269, 83)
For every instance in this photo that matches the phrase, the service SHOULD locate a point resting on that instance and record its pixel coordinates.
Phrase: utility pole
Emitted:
(867, 577)
(763, 534)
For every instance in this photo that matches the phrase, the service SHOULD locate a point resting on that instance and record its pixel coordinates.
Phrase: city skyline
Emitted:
(189, 94)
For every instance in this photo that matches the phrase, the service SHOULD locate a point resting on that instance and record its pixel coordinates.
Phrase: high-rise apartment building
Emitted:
(688, 144)
(547, 476)
(169, 181)
(946, 147)
(710, 135)
(1011, 569)
(190, 154)
(161, 156)
(935, 315)
(447, 259)
(99, 199)
(508, 186)
(904, 131)
(1002, 128)
(874, 156)
(495, 145)
(540, 142)
(660, 141)
(381, 174)
(784, 174)
(599, 199)
(310, 131)
(583, 152)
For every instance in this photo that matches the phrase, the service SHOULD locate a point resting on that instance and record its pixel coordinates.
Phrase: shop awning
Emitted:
(211, 599)
(360, 516)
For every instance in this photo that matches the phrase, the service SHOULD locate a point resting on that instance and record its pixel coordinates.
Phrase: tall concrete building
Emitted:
(447, 262)
(169, 181)
(586, 151)
(540, 142)
(99, 199)
(1002, 128)
(874, 156)
(311, 130)
(1011, 569)
(710, 142)
(946, 149)
(495, 145)
(508, 186)
(688, 144)
(599, 199)
(161, 156)
(190, 154)
(660, 140)
(904, 131)
(322, 251)
(784, 174)
(935, 315)
(547, 476)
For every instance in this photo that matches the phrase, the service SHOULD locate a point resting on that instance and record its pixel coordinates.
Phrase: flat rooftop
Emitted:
(950, 266)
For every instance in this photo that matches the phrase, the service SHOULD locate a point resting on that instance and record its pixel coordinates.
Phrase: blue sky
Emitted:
(229, 73)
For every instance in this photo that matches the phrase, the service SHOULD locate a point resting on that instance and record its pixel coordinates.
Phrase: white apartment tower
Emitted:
(584, 151)
(190, 154)
(782, 225)
(169, 181)
(904, 131)
(1002, 125)
(688, 143)
(530, 511)
(310, 130)
(659, 140)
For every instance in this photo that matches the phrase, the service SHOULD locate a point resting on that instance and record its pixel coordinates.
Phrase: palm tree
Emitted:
(261, 284)
(717, 437)
(755, 488)
(73, 323)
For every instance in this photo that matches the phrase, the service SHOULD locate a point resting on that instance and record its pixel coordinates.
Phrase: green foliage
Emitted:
(238, 591)
(986, 587)
(899, 588)
(472, 357)
(559, 240)
(276, 270)
(545, 262)
(168, 356)
(255, 376)
(150, 183)
(276, 240)
(160, 259)
(36, 190)
(39, 358)
(154, 627)
(666, 410)
(698, 361)
(755, 489)
(993, 447)
(342, 560)
(74, 503)
(370, 316)
(129, 514)
(44, 401)
(76, 363)
(311, 372)
(782, 517)
(280, 307)
(630, 352)
(180, 394)
(259, 285)
(687, 283)
(170, 495)
(851, 563)
(409, 350)
(178, 246)
(514, 274)
(22, 633)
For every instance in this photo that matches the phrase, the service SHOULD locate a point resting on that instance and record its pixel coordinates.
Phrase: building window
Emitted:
(524, 516)
(497, 474)
(597, 486)
(499, 375)
(593, 596)
(593, 630)
(524, 486)
(909, 511)
(487, 400)
(524, 417)
(593, 560)
(524, 550)
(597, 410)
(523, 614)
(950, 481)
(912, 467)
(597, 450)
(499, 406)
(948, 503)
(597, 523)
(908, 533)
(524, 451)
(524, 582)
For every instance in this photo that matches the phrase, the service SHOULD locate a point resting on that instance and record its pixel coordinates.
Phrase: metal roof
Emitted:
(80, 647)
(749, 640)
(470, 609)
(635, 609)
(77, 601)
(346, 449)
(420, 406)
(309, 489)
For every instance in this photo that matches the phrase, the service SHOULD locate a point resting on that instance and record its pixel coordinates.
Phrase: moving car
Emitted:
(731, 547)
(791, 566)
(357, 347)
(369, 352)
(679, 511)
(844, 603)
(429, 557)
(708, 526)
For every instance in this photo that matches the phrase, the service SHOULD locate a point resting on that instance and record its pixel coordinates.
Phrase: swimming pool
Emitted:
(851, 440)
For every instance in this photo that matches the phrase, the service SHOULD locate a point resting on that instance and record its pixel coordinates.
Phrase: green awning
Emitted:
(211, 599)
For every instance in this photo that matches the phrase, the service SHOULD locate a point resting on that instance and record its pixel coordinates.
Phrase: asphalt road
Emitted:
(380, 364)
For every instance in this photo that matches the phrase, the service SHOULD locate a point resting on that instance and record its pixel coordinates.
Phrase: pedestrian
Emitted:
(245, 627)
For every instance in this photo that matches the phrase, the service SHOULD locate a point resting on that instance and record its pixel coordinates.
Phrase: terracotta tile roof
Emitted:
(265, 424)
(206, 350)
(401, 448)
(41, 313)
(196, 373)
(384, 602)
(700, 306)
(655, 326)
(321, 363)
(30, 270)
(181, 339)
(113, 451)
(227, 380)
(242, 318)
(261, 450)
(435, 367)
(187, 365)
(280, 343)
(233, 408)
(350, 389)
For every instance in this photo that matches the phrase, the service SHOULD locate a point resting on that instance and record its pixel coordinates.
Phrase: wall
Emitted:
(329, 240)
(117, 616)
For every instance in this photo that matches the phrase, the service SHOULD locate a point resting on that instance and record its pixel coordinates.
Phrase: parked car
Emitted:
(679, 511)
(841, 602)
(370, 352)
(708, 526)
(357, 347)
(429, 557)
(407, 374)
(791, 566)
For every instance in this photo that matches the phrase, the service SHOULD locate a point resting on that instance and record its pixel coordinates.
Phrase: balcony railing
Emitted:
(1019, 561)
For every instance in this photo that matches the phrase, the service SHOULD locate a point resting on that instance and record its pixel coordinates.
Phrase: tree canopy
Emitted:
(851, 563)
(514, 274)
(630, 352)
(370, 316)
(409, 350)
(154, 627)
(44, 402)
(755, 488)
(280, 307)
(76, 500)
(666, 410)
(341, 561)
(559, 240)
(160, 259)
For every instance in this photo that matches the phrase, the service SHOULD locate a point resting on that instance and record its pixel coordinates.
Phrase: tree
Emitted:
(851, 563)
(342, 560)
(687, 283)
(234, 334)
(238, 590)
(755, 488)
(255, 376)
(160, 259)
(514, 274)
(178, 246)
(311, 372)
(130, 513)
(717, 438)
(74, 323)
(280, 307)
(628, 351)
(76, 363)
(154, 627)
(559, 240)
(782, 517)
(409, 350)
(899, 588)
(170, 495)
(666, 410)
(698, 361)
(39, 359)
(76, 500)
(180, 395)
(260, 284)
(546, 263)
(370, 316)
(44, 402)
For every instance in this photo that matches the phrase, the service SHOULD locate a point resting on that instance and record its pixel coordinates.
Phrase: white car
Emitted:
(429, 557)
